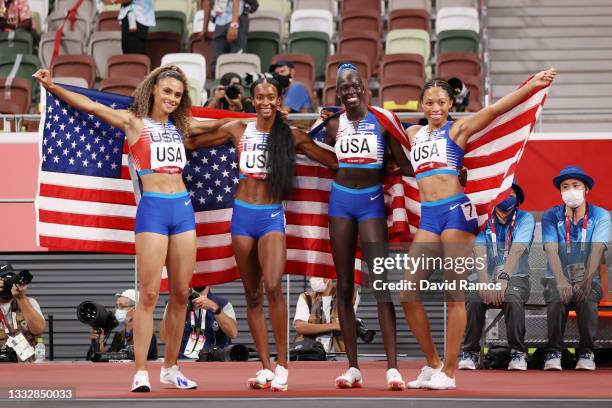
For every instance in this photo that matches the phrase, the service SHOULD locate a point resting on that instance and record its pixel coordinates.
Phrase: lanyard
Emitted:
(4, 324)
(568, 240)
(508, 240)
(202, 321)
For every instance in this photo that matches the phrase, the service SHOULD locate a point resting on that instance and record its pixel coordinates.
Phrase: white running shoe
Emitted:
(426, 373)
(553, 361)
(173, 376)
(281, 379)
(518, 361)
(141, 382)
(468, 361)
(263, 379)
(350, 379)
(586, 361)
(394, 380)
(440, 381)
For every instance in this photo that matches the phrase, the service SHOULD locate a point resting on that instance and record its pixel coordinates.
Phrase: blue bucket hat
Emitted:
(573, 172)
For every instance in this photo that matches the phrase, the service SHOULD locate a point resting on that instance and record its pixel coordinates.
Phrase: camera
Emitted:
(104, 357)
(232, 352)
(364, 333)
(461, 94)
(232, 91)
(193, 295)
(11, 278)
(96, 316)
(8, 355)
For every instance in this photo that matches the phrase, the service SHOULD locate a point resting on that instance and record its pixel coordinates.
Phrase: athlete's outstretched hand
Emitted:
(544, 78)
(44, 77)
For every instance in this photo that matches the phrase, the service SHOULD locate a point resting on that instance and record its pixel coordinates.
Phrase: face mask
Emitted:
(121, 315)
(508, 204)
(284, 80)
(573, 198)
(318, 284)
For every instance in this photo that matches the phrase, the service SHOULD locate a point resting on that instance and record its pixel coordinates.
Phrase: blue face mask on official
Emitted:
(509, 204)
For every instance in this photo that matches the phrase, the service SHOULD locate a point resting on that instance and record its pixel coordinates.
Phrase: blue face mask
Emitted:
(509, 204)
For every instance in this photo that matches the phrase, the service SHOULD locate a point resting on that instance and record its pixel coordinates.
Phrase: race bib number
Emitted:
(23, 349)
(254, 162)
(430, 154)
(469, 212)
(168, 155)
(357, 149)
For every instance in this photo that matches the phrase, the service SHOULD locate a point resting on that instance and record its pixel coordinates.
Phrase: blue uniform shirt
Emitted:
(296, 97)
(553, 231)
(524, 228)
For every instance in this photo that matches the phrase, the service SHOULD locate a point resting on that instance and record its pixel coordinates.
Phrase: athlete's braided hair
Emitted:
(439, 83)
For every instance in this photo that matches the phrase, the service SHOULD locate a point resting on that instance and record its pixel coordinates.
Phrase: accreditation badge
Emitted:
(23, 349)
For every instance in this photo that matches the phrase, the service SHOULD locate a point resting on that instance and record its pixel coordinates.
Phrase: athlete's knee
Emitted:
(254, 299)
(274, 288)
(179, 295)
(148, 298)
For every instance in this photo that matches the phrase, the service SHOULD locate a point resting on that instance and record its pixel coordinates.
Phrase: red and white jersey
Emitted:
(253, 153)
(159, 149)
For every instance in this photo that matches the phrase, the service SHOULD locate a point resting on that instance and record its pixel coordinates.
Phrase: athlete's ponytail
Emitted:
(281, 156)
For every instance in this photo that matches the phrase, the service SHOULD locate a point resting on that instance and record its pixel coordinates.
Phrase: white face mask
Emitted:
(121, 315)
(573, 198)
(318, 284)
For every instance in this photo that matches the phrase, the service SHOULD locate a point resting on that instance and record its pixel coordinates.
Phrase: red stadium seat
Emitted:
(9, 107)
(361, 20)
(400, 93)
(304, 66)
(204, 48)
(451, 64)
(20, 95)
(129, 65)
(361, 5)
(82, 66)
(122, 86)
(107, 21)
(162, 43)
(396, 65)
(361, 63)
(409, 18)
(366, 43)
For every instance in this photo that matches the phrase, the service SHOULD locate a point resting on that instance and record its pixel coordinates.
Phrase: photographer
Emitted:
(229, 95)
(210, 322)
(20, 315)
(123, 338)
(316, 315)
(295, 95)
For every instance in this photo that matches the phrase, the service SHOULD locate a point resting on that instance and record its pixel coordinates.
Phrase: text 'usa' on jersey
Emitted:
(359, 143)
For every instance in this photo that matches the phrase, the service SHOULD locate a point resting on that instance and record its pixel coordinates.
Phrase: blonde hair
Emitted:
(143, 96)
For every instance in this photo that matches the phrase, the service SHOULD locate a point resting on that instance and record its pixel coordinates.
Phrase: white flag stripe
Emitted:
(306, 207)
(85, 207)
(210, 216)
(504, 142)
(314, 257)
(308, 232)
(214, 241)
(312, 183)
(88, 182)
(492, 170)
(215, 265)
(84, 233)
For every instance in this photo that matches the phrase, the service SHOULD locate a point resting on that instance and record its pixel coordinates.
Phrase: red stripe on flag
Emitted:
(85, 220)
(212, 228)
(505, 128)
(63, 244)
(209, 254)
(87, 194)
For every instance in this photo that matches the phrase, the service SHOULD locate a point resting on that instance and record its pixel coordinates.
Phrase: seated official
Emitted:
(316, 315)
(505, 242)
(20, 315)
(125, 305)
(575, 235)
(210, 323)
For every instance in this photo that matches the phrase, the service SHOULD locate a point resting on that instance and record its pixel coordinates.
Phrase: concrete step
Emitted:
(573, 103)
(560, 21)
(528, 32)
(547, 55)
(565, 91)
(575, 127)
(562, 78)
(550, 11)
(531, 67)
(552, 117)
(544, 3)
(557, 43)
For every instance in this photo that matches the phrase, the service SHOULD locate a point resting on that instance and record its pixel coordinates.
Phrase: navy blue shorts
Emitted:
(165, 214)
(256, 220)
(456, 212)
(359, 204)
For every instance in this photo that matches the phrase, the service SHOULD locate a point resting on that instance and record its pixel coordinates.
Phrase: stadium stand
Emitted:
(128, 65)
(80, 66)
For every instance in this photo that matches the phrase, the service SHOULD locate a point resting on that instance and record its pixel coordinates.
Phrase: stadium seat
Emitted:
(457, 18)
(359, 60)
(187, 7)
(73, 81)
(304, 65)
(81, 28)
(456, 3)
(160, 44)
(204, 48)
(103, 45)
(9, 108)
(238, 63)
(266, 20)
(284, 7)
(361, 5)
(313, 43)
(21, 66)
(170, 21)
(409, 18)
(82, 66)
(366, 43)
(329, 5)
(129, 65)
(474, 84)
(87, 10)
(410, 4)
(16, 42)
(122, 86)
(265, 44)
(194, 65)
(362, 20)
(396, 65)
(458, 41)
(400, 93)
(409, 41)
(312, 20)
(107, 21)
(70, 44)
(457, 64)
(18, 91)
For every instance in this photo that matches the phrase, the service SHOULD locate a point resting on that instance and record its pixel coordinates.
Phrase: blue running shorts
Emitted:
(456, 212)
(256, 220)
(359, 204)
(165, 214)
